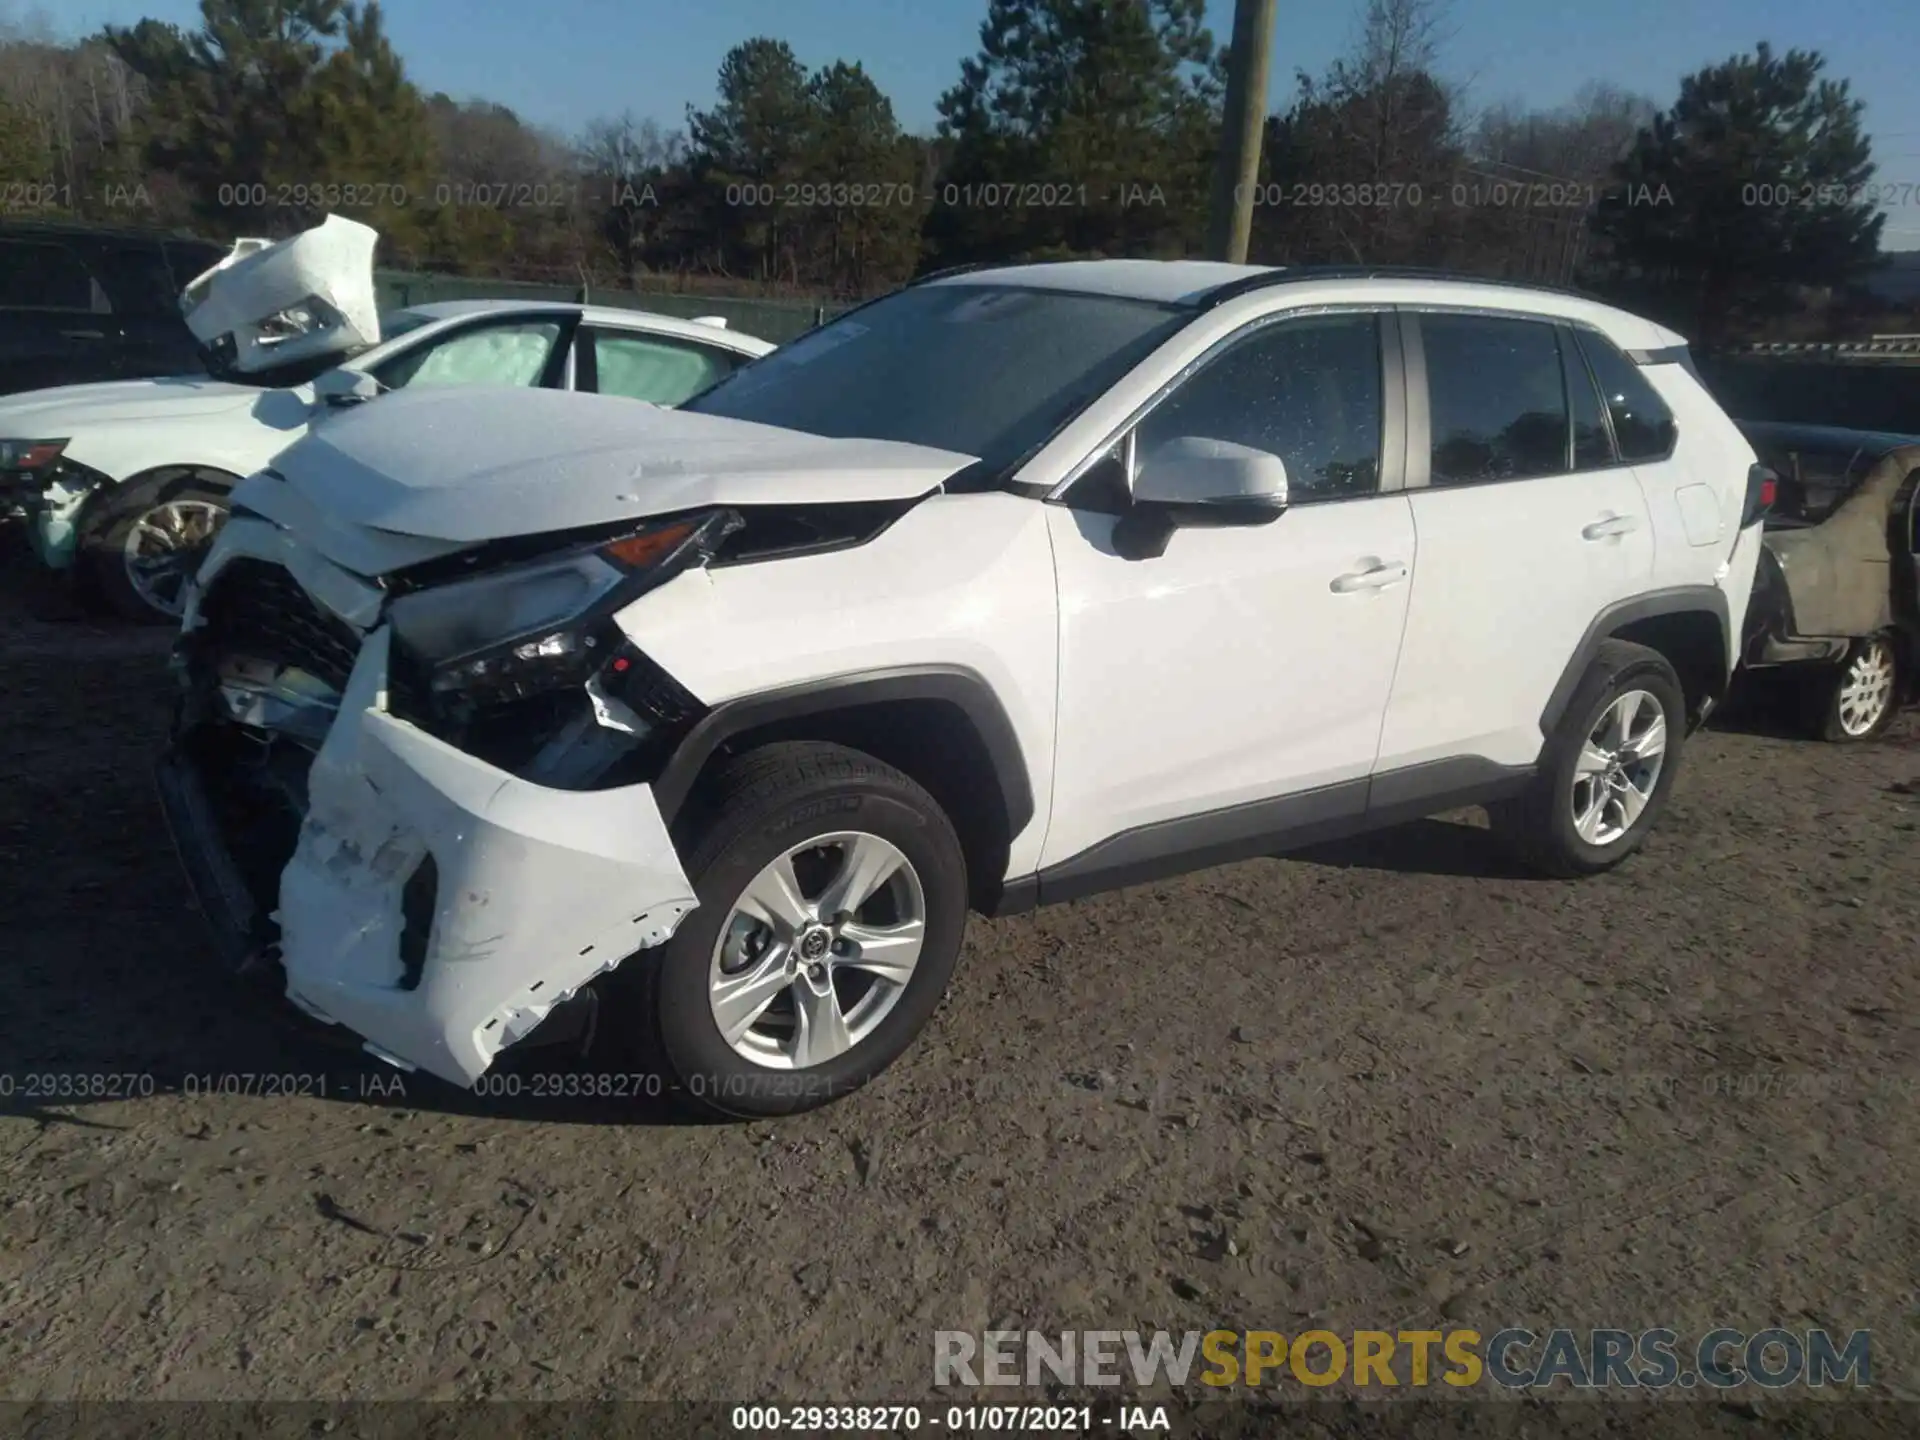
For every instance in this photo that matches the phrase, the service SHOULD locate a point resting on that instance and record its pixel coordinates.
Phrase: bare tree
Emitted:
(1374, 142)
(623, 163)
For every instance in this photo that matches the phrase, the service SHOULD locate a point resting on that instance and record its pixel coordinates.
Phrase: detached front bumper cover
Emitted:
(536, 891)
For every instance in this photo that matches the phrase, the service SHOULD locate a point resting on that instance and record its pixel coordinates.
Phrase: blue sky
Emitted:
(563, 62)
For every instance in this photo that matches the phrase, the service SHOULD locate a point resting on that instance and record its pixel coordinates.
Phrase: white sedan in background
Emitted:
(128, 481)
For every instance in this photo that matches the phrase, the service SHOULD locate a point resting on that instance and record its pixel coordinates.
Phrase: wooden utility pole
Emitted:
(1237, 169)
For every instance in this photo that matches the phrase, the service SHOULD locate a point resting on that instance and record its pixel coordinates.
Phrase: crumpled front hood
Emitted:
(475, 464)
(66, 409)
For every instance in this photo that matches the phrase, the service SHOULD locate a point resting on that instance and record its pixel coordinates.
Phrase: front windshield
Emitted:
(984, 370)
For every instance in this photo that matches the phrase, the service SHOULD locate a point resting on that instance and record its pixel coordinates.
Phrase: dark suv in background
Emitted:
(87, 302)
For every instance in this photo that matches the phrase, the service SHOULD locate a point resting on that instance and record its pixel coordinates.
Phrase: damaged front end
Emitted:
(268, 305)
(421, 804)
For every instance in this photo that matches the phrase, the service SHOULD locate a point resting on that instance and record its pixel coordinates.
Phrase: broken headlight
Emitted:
(548, 623)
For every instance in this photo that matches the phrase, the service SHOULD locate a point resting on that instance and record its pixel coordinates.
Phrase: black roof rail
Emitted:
(1296, 274)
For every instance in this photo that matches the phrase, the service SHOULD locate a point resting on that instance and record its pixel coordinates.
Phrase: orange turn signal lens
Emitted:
(636, 552)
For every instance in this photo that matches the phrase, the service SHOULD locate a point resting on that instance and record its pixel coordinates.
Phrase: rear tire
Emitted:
(1857, 699)
(141, 543)
(1605, 772)
(839, 998)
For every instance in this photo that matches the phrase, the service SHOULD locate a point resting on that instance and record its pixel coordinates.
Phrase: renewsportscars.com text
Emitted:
(1512, 1359)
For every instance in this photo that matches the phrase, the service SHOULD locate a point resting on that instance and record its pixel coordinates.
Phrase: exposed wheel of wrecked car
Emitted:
(1606, 771)
(146, 541)
(833, 895)
(1856, 700)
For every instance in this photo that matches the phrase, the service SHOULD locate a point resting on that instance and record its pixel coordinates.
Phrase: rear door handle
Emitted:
(1611, 526)
(1377, 578)
(83, 335)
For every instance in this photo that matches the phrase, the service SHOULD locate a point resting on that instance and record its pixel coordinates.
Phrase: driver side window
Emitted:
(1307, 390)
(513, 354)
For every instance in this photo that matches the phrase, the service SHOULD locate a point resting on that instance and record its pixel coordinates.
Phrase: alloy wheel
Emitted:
(164, 547)
(1619, 767)
(817, 950)
(1866, 689)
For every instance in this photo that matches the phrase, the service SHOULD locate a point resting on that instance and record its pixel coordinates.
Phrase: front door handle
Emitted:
(1377, 577)
(1611, 526)
(83, 335)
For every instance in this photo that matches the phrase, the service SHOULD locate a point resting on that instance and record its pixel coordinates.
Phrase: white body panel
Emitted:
(539, 890)
(327, 271)
(1224, 671)
(1509, 578)
(478, 463)
(1243, 663)
(960, 580)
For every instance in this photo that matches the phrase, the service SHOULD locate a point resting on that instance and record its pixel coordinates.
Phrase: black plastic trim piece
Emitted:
(1197, 842)
(1680, 600)
(1667, 355)
(1300, 274)
(1265, 827)
(220, 892)
(954, 684)
(1416, 791)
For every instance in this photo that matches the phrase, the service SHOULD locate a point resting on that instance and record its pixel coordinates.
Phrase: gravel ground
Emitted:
(1380, 1085)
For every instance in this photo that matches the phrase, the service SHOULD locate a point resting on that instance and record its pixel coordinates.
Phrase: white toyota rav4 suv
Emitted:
(505, 712)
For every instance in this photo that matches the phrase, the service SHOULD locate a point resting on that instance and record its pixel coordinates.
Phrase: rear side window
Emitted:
(137, 280)
(1643, 427)
(1496, 399)
(39, 276)
(653, 368)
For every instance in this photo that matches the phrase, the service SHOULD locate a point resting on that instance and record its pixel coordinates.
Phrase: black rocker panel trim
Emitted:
(1265, 827)
(965, 689)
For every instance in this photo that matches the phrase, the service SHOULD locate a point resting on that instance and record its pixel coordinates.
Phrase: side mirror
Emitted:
(1193, 471)
(342, 386)
(1193, 481)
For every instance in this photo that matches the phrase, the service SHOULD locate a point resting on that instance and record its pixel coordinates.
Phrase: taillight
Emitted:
(1763, 488)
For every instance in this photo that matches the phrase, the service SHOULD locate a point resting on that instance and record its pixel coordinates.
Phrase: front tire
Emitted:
(833, 897)
(1606, 771)
(1858, 700)
(144, 541)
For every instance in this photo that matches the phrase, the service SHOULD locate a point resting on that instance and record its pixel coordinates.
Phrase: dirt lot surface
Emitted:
(1388, 1084)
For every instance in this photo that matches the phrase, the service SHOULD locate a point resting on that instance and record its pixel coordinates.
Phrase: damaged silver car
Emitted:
(1836, 605)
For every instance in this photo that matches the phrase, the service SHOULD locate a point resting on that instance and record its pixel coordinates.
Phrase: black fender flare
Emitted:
(965, 689)
(1680, 600)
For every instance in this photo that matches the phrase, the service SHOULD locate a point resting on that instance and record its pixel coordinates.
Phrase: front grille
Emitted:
(660, 699)
(257, 609)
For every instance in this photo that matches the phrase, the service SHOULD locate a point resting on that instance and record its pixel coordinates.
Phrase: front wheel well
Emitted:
(1694, 642)
(109, 497)
(932, 741)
